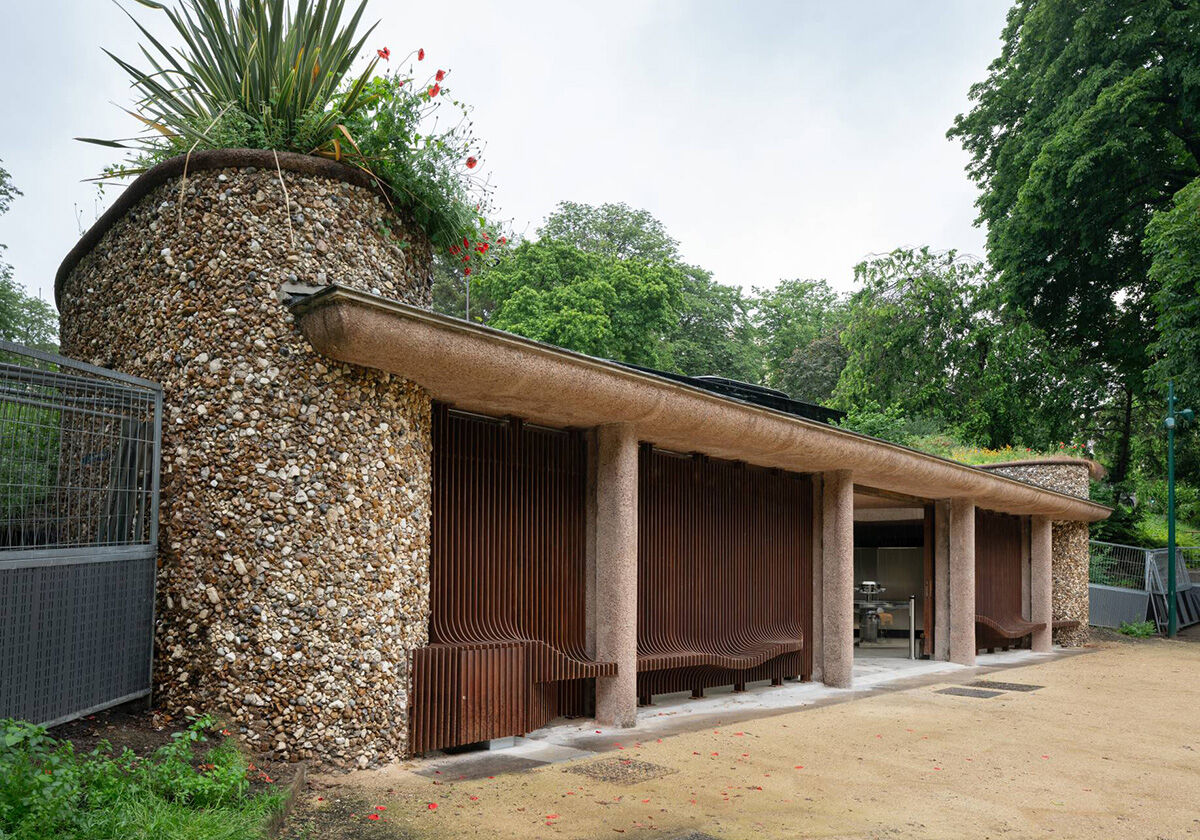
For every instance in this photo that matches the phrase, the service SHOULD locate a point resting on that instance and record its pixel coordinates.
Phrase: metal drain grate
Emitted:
(621, 771)
(1004, 686)
(969, 692)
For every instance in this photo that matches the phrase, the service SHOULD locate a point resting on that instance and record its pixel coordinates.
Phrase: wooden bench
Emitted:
(1003, 632)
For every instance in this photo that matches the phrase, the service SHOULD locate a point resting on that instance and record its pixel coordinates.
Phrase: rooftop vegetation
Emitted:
(268, 74)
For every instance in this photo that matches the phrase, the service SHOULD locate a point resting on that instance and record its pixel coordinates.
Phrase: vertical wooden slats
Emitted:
(507, 640)
(724, 573)
(997, 573)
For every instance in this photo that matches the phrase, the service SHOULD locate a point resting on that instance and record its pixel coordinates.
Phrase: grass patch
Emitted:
(183, 790)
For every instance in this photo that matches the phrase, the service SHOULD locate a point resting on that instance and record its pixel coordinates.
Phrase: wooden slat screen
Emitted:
(998, 554)
(507, 630)
(724, 573)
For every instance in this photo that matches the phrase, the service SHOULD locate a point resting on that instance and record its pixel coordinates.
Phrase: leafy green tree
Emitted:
(812, 372)
(790, 318)
(713, 332)
(603, 306)
(24, 318)
(611, 230)
(1173, 244)
(1087, 124)
(927, 337)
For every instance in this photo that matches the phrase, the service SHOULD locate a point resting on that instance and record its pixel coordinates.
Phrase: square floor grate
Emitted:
(621, 771)
(958, 691)
(996, 685)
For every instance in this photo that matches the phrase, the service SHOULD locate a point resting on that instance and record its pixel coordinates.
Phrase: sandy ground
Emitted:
(1108, 748)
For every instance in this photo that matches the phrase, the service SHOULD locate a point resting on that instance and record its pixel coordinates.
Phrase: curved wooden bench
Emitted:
(998, 633)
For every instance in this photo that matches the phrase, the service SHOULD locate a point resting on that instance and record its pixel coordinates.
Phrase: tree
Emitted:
(1087, 124)
(713, 332)
(24, 319)
(812, 372)
(611, 230)
(1173, 245)
(790, 318)
(603, 306)
(928, 337)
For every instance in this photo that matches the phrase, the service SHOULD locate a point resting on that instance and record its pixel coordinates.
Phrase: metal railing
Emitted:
(79, 482)
(1110, 564)
(1128, 583)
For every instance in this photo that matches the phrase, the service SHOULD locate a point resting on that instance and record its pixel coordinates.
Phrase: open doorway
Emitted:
(893, 575)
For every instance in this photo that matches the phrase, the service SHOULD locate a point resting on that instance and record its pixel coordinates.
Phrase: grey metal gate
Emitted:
(79, 478)
(1128, 583)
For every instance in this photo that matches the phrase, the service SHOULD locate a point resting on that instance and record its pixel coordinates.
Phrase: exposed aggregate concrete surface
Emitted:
(294, 549)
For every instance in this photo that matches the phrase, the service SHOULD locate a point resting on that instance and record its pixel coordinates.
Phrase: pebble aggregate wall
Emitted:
(1070, 543)
(294, 549)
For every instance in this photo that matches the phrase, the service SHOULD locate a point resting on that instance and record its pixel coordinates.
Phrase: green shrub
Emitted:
(47, 791)
(1138, 629)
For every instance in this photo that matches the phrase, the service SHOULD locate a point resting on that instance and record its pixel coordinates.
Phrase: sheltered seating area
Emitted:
(635, 534)
(508, 621)
(724, 574)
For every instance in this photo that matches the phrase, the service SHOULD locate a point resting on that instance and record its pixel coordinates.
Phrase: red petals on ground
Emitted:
(372, 816)
(473, 798)
(380, 807)
(432, 806)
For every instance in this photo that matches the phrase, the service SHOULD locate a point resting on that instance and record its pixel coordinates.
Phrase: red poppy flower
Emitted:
(434, 91)
(372, 816)
(454, 250)
(466, 272)
(421, 54)
(380, 807)
(503, 240)
(384, 53)
(471, 163)
(466, 244)
(441, 74)
(432, 805)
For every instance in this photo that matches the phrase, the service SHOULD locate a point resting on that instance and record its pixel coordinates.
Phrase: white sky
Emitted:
(773, 139)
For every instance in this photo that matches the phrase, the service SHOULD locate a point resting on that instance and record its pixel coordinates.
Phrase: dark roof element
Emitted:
(753, 394)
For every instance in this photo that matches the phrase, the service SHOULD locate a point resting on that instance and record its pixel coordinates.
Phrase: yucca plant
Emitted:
(262, 74)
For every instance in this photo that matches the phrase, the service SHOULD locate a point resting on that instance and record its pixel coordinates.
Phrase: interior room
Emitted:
(893, 576)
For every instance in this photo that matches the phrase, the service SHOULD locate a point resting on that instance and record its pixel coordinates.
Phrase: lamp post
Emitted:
(1187, 415)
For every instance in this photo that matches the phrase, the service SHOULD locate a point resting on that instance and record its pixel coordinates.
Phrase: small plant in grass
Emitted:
(48, 791)
(1138, 629)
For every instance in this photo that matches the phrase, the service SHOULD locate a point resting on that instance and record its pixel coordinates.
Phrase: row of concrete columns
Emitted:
(615, 505)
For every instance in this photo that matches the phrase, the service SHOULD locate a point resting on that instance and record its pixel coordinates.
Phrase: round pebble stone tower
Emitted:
(294, 550)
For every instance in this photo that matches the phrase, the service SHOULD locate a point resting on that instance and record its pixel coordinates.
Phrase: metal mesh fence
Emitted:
(79, 455)
(1110, 564)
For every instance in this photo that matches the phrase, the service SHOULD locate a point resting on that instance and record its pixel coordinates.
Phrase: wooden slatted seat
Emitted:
(724, 574)
(1009, 627)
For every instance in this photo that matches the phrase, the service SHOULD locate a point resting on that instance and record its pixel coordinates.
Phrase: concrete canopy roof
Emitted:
(477, 368)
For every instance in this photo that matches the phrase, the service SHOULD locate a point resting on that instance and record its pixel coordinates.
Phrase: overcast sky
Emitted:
(773, 139)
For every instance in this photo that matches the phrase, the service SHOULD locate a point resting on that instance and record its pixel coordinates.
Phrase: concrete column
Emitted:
(837, 578)
(616, 571)
(818, 615)
(941, 581)
(962, 581)
(1041, 580)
